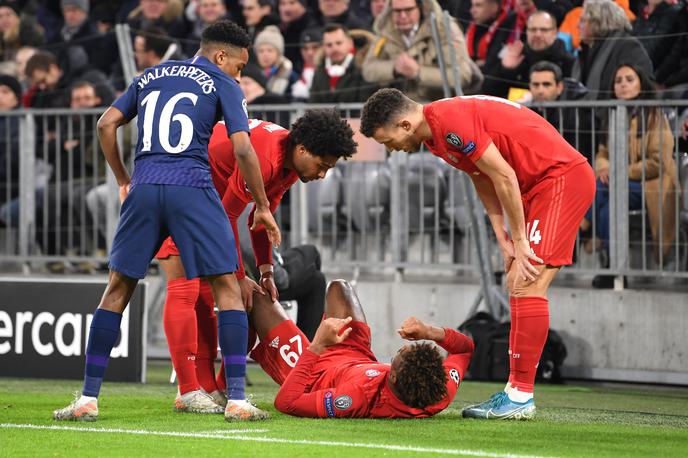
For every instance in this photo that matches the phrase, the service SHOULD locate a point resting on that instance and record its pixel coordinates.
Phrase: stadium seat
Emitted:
(366, 195)
(455, 203)
(324, 201)
(427, 191)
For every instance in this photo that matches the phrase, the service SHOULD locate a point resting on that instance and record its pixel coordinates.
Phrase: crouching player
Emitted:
(315, 143)
(337, 375)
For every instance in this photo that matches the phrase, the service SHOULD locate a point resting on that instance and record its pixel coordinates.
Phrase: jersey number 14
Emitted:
(150, 102)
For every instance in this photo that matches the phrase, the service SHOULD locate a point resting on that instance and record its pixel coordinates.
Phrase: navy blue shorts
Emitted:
(195, 219)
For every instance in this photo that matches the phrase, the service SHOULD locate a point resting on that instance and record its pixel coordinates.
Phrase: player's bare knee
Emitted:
(341, 301)
(518, 287)
(118, 292)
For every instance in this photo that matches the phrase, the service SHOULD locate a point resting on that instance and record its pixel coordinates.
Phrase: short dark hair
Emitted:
(421, 379)
(333, 27)
(227, 33)
(382, 108)
(157, 40)
(83, 83)
(546, 66)
(42, 60)
(323, 132)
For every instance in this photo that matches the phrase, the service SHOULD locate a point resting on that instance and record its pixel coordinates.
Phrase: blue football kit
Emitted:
(178, 104)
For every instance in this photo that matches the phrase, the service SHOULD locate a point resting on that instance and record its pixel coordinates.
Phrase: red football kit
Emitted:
(346, 380)
(270, 142)
(557, 185)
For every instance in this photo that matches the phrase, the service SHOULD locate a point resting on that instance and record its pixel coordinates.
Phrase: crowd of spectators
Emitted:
(65, 54)
(331, 51)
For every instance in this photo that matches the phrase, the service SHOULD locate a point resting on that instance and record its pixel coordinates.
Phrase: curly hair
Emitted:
(225, 32)
(421, 380)
(382, 108)
(323, 132)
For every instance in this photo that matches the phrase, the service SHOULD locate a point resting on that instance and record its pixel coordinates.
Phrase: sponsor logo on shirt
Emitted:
(454, 375)
(343, 402)
(329, 407)
(275, 342)
(372, 373)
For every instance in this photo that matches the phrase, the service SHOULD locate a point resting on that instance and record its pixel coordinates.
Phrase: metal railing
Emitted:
(398, 211)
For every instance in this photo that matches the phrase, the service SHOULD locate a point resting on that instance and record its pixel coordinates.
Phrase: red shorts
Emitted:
(554, 209)
(282, 347)
(167, 249)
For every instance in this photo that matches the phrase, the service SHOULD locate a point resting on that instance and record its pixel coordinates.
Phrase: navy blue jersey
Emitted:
(178, 103)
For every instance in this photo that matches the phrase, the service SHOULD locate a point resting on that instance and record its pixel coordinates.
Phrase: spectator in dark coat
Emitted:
(258, 14)
(17, 31)
(158, 13)
(606, 43)
(673, 70)
(77, 31)
(208, 12)
(338, 78)
(547, 84)
(541, 44)
(338, 12)
(294, 19)
(490, 30)
(10, 99)
(254, 85)
(655, 27)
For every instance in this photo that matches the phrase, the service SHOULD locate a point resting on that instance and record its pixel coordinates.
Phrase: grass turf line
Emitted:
(571, 421)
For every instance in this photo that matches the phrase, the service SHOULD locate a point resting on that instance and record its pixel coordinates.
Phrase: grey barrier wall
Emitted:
(44, 330)
(58, 200)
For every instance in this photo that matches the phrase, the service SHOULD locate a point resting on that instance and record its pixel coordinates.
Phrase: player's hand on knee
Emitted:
(248, 287)
(330, 333)
(264, 217)
(507, 247)
(523, 254)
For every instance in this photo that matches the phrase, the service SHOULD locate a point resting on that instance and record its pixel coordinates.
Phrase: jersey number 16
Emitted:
(166, 119)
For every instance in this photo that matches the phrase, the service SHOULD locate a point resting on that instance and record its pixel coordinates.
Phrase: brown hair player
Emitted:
(522, 168)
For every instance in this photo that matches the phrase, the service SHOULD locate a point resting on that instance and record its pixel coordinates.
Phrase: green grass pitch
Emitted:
(137, 420)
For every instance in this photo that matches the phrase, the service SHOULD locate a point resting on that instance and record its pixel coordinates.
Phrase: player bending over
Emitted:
(171, 193)
(337, 375)
(316, 141)
(522, 168)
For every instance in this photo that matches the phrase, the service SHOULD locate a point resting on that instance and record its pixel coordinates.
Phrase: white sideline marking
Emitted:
(275, 440)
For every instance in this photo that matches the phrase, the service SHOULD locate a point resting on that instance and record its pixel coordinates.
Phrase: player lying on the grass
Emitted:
(171, 193)
(522, 168)
(316, 141)
(337, 375)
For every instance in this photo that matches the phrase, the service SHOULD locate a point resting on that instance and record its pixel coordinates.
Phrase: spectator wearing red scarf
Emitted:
(492, 28)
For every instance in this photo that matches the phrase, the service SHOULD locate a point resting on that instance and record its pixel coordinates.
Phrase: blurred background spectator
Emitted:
(295, 17)
(339, 12)
(541, 44)
(338, 78)
(311, 44)
(650, 148)
(207, 12)
(166, 14)
(258, 14)
(606, 42)
(491, 28)
(404, 54)
(269, 49)
(254, 86)
(17, 30)
(547, 84)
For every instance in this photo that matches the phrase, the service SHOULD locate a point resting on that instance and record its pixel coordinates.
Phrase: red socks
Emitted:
(179, 321)
(529, 328)
(207, 338)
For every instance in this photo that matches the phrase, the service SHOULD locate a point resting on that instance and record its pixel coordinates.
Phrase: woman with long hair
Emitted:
(650, 149)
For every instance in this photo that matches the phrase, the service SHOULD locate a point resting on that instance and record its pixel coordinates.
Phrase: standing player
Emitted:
(178, 103)
(316, 141)
(337, 375)
(522, 168)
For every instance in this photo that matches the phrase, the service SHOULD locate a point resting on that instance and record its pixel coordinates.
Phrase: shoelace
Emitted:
(499, 399)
